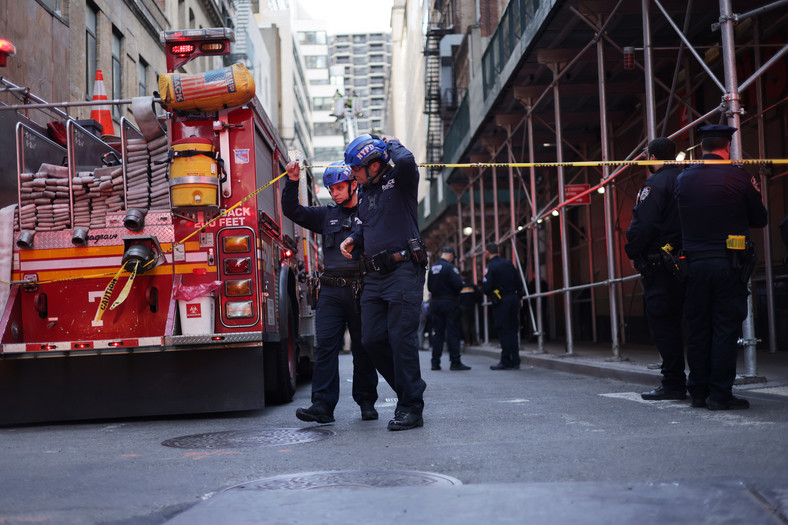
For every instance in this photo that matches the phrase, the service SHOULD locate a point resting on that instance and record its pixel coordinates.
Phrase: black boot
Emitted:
(319, 412)
(368, 412)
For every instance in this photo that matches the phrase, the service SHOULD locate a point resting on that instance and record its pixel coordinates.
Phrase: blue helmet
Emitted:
(336, 172)
(365, 149)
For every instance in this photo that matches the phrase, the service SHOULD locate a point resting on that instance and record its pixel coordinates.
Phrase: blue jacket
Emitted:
(335, 223)
(501, 275)
(388, 209)
(444, 280)
(655, 217)
(717, 201)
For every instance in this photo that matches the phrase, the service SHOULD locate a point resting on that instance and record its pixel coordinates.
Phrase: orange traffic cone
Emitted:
(102, 114)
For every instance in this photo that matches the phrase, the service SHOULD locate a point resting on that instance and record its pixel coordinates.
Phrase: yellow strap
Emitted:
(107, 294)
(127, 288)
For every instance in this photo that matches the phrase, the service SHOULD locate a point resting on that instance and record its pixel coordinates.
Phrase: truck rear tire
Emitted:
(284, 358)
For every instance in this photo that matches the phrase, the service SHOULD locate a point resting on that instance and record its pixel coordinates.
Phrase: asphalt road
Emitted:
(531, 445)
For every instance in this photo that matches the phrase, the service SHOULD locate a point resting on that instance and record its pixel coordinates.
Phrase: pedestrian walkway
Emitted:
(636, 364)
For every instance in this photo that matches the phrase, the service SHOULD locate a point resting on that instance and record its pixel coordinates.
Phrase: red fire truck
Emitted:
(152, 275)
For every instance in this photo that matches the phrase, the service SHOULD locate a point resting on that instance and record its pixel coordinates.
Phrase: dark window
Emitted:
(91, 51)
(117, 77)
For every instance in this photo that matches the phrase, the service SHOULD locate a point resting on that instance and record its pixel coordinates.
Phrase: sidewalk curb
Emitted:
(570, 365)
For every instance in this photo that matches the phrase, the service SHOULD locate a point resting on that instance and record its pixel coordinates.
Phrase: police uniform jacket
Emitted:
(444, 280)
(717, 201)
(388, 208)
(501, 275)
(655, 217)
(334, 222)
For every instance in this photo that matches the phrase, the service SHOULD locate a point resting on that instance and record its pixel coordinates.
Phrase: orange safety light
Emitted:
(210, 48)
(7, 49)
(238, 288)
(236, 244)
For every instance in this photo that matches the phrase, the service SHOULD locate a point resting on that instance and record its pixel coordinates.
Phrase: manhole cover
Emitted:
(249, 438)
(348, 478)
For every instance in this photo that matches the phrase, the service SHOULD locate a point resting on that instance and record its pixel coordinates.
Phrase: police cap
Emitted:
(448, 249)
(717, 130)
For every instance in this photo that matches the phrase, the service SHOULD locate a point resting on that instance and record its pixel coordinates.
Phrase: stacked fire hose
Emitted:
(146, 179)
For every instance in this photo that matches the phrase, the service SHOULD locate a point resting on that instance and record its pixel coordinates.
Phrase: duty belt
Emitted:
(707, 254)
(384, 262)
(339, 281)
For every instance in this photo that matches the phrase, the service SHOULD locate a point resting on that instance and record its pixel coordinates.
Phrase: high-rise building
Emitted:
(366, 59)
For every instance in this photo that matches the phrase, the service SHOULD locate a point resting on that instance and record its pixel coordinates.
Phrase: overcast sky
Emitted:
(351, 16)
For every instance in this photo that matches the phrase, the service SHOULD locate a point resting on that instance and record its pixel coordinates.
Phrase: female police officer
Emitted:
(336, 304)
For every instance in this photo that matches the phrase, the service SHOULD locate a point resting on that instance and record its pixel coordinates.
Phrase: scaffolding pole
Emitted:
(609, 204)
(535, 235)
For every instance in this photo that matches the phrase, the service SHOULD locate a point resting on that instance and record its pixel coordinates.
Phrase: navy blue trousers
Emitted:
(507, 324)
(335, 312)
(445, 316)
(716, 306)
(664, 296)
(390, 307)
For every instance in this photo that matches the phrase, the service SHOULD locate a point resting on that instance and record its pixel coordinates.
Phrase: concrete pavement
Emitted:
(732, 501)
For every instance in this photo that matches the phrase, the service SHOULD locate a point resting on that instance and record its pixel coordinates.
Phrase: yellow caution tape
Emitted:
(736, 162)
(127, 288)
(107, 294)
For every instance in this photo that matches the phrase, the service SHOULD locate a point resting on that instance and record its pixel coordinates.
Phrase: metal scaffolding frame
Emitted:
(526, 212)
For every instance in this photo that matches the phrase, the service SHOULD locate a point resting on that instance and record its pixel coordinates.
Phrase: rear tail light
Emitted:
(237, 266)
(182, 50)
(238, 287)
(238, 310)
(236, 244)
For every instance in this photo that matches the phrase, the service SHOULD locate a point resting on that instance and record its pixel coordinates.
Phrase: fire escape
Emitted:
(432, 98)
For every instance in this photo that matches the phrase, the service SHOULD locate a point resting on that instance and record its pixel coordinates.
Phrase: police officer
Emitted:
(336, 308)
(716, 202)
(654, 229)
(445, 283)
(503, 286)
(395, 261)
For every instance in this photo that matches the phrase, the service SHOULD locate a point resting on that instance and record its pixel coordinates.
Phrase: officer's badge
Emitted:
(755, 184)
(643, 194)
(456, 270)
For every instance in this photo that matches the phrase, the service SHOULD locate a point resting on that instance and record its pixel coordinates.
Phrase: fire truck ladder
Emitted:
(432, 98)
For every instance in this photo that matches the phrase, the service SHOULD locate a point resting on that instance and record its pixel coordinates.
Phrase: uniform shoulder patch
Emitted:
(644, 192)
(456, 270)
(435, 269)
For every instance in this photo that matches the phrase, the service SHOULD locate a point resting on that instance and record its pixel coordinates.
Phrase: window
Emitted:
(316, 61)
(324, 128)
(376, 80)
(142, 77)
(91, 50)
(319, 82)
(359, 39)
(359, 81)
(376, 102)
(360, 71)
(323, 103)
(116, 72)
(376, 58)
(377, 91)
(359, 61)
(312, 37)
